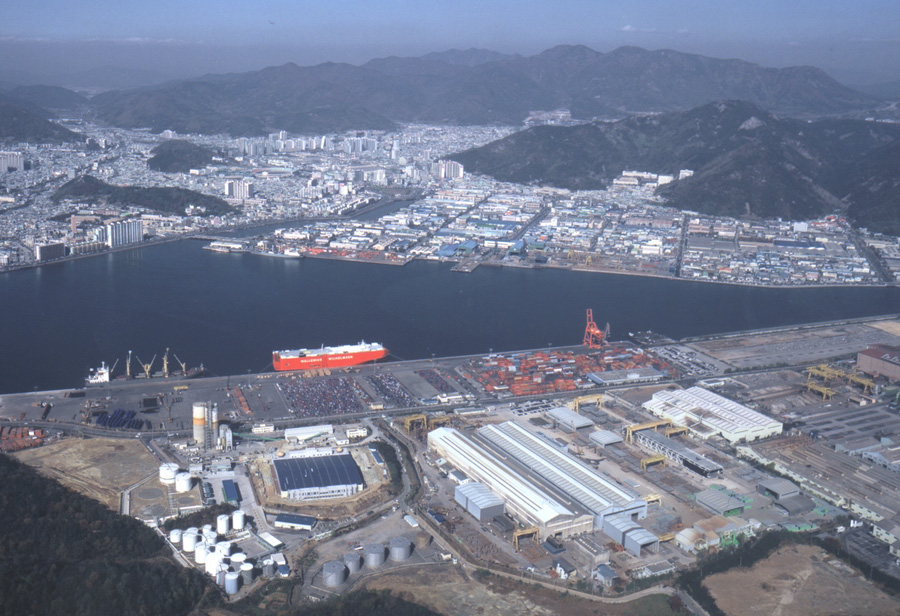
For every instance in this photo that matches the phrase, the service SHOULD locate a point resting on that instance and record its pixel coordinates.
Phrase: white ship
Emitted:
(98, 376)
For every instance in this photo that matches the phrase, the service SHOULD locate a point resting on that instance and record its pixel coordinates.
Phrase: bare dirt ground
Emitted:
(98, 467)
(799, 581)
(448, 590)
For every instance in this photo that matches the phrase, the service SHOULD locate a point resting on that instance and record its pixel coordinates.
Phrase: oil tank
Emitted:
(423, 540)
(213, 561)
(401, 548)
(334, 573)
(210, 536)
(224, 548)
(200, 553)
(223, 523)
(247, 573)
(207, 528)
(199, 415)
(167, 472)
(190, 541)
(183, 482)
(374, 554)
(232, 582)
(353, 561)
(237, 519)
(268, 568)
(220, 575)
(175, 535)
(238, 559)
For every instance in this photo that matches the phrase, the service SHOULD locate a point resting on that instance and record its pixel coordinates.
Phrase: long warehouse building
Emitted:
(706, 414)
(524, 498)
(599, 493)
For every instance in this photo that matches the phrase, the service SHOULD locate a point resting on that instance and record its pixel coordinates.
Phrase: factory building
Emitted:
(308, 433)
(291, 521)
(568, 420)
(475, 498)
(526, 499)
(707, 414)
(599, 493)
(318, 477)
(677, 452)
(631, 535)
(880, 360)
(721, 503)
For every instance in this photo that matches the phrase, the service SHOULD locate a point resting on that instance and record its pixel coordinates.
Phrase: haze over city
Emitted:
(857, 43)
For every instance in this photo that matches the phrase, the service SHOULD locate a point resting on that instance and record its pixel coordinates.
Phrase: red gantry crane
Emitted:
(594, 337)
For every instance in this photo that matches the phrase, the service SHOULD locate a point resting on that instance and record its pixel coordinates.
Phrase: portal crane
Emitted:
(182, 364)
(166, 364)
(594, 337)
(147, 367)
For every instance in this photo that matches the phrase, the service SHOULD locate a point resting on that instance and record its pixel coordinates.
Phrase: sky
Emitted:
(856, 42)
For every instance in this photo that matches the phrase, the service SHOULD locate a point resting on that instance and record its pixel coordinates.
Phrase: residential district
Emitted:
(600, 467)
(393, 196)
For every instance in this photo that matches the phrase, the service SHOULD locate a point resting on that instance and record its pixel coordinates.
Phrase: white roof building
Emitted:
(706, 414)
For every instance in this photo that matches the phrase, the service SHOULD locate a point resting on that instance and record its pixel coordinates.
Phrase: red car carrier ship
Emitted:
(328, 357)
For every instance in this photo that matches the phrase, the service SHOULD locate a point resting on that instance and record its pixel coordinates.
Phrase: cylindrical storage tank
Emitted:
(334, 573)
(353, 561)
(183, 482)
(175, 535)
(374, 554)
(238, 559)
(200, 553)
(423, 540)
(268, 568)
(232, 582)
(199, 415)
(190, 541)
(214, 420)
(224, 548)
(213, 561)
(220, 575)
(210, 536)
(247, 573)
(238, 519)
(167, 472)
(223, 523)
(207, 528)
(401, 548)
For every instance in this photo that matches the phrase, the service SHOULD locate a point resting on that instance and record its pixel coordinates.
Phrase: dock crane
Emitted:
(594, 337)
(166, 364)
(128, 366)
(181, 363)
(146, 367)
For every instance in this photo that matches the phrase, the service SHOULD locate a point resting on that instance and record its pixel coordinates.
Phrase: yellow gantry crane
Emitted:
(531, 531)
(657, 459)
(410, 420)
(630, 430)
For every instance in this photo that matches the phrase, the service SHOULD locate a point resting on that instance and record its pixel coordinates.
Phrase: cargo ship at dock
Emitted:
(328, 357)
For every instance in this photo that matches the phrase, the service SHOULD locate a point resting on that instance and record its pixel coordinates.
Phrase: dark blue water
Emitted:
(229, 311)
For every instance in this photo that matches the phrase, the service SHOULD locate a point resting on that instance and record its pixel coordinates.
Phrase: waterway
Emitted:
(229, 311)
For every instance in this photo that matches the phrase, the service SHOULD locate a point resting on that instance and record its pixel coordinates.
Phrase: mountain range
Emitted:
(22, 120)
(746, 161)
(470, 87)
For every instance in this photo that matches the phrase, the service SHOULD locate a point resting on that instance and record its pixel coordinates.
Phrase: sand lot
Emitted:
(799, 581)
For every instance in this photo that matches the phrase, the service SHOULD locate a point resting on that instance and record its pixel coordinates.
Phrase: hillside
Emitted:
(166, 199)
(50, 97)
(19, 123)
(179, 156)
(746, 161)
(470, 87)
(872, 186)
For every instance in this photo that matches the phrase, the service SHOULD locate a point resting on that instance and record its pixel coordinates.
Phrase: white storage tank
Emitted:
(183, 482)
(238, 520)
(200, 553)
(238, 559)
(268, 568)
(212, 563)
(232, 582)
(167, 472)
(190, 541)
(210, 536)
(334, 573)
(175, 535)
(247, 573)
(353, 561)
(374, 554)
(199, 417)
(401, 548)
(224, 548)
(223, 523)
(220, 575)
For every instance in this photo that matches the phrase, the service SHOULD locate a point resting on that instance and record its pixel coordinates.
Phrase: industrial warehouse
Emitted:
(708, 414)
(320, 477)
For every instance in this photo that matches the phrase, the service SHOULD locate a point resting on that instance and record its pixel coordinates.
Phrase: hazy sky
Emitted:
(855, 41)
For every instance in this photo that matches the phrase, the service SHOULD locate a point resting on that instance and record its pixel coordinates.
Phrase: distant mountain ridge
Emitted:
(470, 87)
(22, 121)
(746, 161)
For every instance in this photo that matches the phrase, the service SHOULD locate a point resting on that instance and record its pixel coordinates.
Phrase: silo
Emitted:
(401, 548)
(175, 535)
(353, 561)
(183, 482)
(374, 554)
(167, 472)
(423, 540)
(238, 520)
(223, 523)
(232, 582)
(190, 541)
(247, 573)
(200, 553)
(214, 420)
(334, 573)
(268, 568)
(199, 415)
(224, 548)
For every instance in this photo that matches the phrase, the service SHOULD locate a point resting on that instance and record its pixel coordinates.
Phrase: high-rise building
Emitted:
(124, 232)
(238, 189)
(11, 161)
(447, 170)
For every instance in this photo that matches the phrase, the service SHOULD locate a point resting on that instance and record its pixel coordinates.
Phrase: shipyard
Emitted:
(606, 464)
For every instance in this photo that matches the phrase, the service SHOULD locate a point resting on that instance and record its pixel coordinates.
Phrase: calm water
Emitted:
(229, 311)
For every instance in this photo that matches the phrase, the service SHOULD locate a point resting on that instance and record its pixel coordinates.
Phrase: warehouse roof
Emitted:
(302, 473)
(605, 437)
(569, 418)
(479, 494)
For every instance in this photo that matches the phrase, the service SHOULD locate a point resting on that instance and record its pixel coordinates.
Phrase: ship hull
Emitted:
(326, 360)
